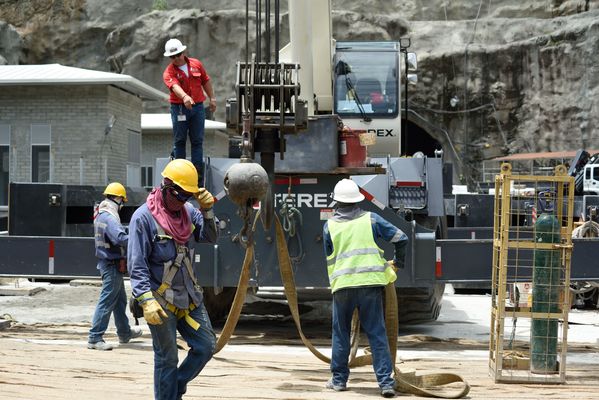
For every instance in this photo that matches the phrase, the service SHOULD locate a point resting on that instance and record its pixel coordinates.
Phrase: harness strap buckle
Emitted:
(179, 313)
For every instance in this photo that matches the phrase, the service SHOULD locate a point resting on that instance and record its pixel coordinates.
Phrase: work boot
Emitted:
(388, 392)
(135, 333)
(101, 345)
(337, 387)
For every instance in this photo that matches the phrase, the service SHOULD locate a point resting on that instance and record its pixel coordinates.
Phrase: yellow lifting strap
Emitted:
(238, 301)
(428, 385)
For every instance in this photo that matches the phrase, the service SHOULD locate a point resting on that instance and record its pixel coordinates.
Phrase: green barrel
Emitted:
(546, 277)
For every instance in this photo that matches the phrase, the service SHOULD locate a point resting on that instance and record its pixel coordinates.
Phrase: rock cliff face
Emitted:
(523, 75)
(522, 85)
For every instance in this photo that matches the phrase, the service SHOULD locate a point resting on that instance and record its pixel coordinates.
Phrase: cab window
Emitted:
(366, 83)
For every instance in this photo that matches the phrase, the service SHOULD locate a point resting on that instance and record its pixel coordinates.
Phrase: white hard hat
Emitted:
(172, 47)
(346, 191)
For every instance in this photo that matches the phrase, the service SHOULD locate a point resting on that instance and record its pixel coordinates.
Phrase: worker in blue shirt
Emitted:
(160, 257)
(111, 246)
(358, 274)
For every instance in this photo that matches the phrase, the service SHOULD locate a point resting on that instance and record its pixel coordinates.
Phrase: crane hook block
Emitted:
(246, 181)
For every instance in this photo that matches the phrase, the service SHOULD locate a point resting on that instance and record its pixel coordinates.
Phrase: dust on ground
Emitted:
(44, 356)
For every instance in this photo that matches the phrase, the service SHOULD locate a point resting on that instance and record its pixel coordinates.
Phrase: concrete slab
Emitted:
(86, 282)
(20, 291)
(14, 281)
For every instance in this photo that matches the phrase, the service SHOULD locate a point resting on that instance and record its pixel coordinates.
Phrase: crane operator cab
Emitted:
(366, 91)
(366, 95)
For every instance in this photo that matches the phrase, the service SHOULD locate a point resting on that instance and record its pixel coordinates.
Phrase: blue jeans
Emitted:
(192, 126)
(113, 299)
(369, 302)
(170, 382)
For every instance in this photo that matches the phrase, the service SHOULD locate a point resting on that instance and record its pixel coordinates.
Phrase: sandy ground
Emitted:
(44, 356)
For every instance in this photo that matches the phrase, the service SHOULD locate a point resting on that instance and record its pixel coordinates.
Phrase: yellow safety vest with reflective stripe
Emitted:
(356, 259)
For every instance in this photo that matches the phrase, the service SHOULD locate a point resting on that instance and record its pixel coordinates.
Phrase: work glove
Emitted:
(395, 264)
(205, 199)
(153, 312)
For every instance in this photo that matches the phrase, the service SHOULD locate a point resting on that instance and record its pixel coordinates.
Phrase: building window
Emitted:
(133, 175)
(40, 163)
(4, 163)
(4, 174)
(134, 148)
(147, 177)
(134, 159)
(40, 153)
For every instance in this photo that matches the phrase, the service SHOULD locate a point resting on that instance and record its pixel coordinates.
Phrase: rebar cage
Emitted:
(532, 247)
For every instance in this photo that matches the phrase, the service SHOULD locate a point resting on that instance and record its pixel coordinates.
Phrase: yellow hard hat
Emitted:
(183, 174)
(116, 189)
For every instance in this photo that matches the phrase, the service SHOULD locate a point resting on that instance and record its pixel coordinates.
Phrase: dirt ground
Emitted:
(44, 356)
(263, 361)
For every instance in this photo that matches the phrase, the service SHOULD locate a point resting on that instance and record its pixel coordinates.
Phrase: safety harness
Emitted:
(165, 294)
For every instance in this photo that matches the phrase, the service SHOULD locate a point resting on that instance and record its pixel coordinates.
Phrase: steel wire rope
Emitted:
(439, 111)
(247, 45)
(477, 108)
(466, 77)
(450, 42)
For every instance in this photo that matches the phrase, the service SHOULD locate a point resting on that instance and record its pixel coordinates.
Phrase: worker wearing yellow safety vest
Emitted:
(358, 274)
(160, 256)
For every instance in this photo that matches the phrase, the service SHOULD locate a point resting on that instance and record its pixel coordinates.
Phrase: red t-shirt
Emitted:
(192, 85)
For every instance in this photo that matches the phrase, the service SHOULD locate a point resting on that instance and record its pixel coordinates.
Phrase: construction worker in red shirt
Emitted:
(189, 84)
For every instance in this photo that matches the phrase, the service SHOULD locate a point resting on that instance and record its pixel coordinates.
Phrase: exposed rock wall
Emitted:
(10, 44)
(519, 89)
(523, 75)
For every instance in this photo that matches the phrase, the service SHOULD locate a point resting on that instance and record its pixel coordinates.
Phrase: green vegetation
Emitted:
(159, 5)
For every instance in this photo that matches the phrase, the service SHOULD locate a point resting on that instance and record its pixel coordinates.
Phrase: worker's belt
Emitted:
(179, 313)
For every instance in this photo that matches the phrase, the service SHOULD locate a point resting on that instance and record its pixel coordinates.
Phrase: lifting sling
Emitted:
(426, 385)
